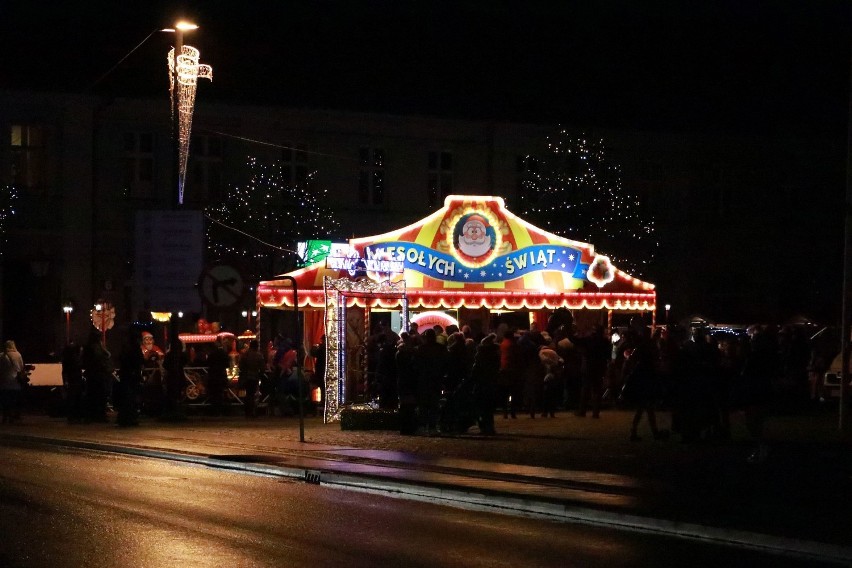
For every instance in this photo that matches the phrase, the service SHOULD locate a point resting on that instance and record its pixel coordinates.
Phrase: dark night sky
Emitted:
(735, 65)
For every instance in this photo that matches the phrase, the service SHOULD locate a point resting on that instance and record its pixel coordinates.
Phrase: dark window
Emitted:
(371, 177)
(439, 178)
(28, 156)
(432, 188)
(364, 186)
(294, 164)
(205, 154)
(378, 186)
(139, 164)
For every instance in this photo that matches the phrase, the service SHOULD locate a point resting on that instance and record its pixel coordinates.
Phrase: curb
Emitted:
(480, 501)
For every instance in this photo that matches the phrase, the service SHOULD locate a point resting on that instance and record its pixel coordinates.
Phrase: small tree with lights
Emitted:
(576, 192)
(261, 221)
(8, 198)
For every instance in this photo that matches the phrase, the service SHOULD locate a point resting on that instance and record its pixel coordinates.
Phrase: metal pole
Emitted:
(847, 271)
(297, 340)
(176, 117)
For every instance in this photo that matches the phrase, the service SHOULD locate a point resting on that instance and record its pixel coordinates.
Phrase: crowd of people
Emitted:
(143, 379)
(448, 380)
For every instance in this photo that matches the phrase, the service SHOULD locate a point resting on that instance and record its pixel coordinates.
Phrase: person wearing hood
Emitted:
(11, 365)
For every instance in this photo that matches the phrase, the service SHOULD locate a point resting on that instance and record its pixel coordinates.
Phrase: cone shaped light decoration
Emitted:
(188, 72)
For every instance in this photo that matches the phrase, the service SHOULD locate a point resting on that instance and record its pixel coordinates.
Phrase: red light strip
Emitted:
(452, 299)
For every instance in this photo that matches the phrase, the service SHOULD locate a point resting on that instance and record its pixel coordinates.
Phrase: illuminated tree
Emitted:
(8, 197)
(260, 222)
(576, 192)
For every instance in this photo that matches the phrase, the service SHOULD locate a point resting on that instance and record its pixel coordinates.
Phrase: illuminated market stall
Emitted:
(471, 255)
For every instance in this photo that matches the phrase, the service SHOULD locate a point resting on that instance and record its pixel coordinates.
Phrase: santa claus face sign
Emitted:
(474, 237)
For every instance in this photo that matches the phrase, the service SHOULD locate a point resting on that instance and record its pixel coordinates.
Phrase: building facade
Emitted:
(83, 166)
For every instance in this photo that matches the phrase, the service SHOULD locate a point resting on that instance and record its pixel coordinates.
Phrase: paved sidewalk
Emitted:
(565, 468)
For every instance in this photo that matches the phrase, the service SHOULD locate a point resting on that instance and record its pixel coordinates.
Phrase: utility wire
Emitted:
(273, 145)
(113, 68)
(240, 231)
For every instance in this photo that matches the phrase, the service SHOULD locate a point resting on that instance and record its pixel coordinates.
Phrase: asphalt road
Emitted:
(68, 507)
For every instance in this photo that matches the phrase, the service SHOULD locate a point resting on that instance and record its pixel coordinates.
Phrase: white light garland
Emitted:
(336, 291)
(188, 73)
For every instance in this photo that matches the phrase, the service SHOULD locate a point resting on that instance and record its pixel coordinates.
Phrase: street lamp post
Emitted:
(103, 318)
(668, 307)
(101, 321)
(297, 340)
(67, 308)
(248, 315)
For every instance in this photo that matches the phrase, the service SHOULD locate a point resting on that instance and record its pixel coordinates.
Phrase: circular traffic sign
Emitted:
(221, 285)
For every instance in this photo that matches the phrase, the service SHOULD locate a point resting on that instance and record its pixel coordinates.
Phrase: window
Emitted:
(205, 168)
(371, 177)
(294, 164)
(139, 164)
(28, 156)
(439, 178)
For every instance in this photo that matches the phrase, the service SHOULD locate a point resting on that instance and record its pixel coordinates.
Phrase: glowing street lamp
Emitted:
(248, 315)
(184, 72)
(68, 308)
(103, 318)
(163, 317)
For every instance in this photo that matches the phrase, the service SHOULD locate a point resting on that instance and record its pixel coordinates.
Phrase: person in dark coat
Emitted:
(458, 364)
(695, 408)
(386, 371)
(761, 368)
(72, 380)
(431, 361)
(486, 368)
(252, 366)
(533, 370)
(406, 384)
(642, 381)
(126, 393)
(98, 369)
(174, 362)
(459, 409)
(595, 353)
(218, 362)
(510, 382)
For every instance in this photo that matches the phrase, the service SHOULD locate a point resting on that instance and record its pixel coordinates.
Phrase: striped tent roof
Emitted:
(473, 252)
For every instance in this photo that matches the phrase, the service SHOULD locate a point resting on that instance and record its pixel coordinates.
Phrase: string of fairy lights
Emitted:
(8, 197)
(268, 206)
(577, 192)
(184, 72)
